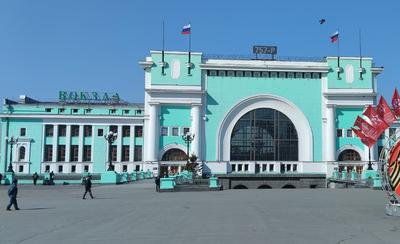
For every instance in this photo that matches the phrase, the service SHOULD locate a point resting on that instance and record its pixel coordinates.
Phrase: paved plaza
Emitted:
(135, 213)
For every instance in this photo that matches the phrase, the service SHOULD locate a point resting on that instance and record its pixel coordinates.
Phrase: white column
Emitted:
(152, 133)
(80, 144)
(330, 128)
(119, 144)
(131, 144)
(196, 130)
(55, 142)
(68, 143)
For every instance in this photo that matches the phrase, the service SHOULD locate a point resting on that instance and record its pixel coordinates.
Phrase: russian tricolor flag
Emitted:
(335, 37)
(186, 30)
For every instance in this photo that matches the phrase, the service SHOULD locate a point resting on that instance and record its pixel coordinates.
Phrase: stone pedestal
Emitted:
(8, 178)
(393, 209)
(109, 177)
(167, 183)
(213, 182)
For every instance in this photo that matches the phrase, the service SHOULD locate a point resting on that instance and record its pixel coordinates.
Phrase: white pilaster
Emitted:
(80, 144)
(55, 143)
(330, 128)
(68, 144)
(131, 145)
(153, 133)
(196, 130)
(119, 143)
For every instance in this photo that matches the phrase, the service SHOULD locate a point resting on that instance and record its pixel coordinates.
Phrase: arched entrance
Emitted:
(264, 134)
(265, 101)
(173, 154)
(349, 159)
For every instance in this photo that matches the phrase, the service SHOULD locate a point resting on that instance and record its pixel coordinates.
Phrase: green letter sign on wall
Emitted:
(88, 97)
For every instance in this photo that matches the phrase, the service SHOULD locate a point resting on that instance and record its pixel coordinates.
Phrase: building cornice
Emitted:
(265, 67)
(146, 64)
(175, 52)
(56, 116)
(377, 70)
(175, 89)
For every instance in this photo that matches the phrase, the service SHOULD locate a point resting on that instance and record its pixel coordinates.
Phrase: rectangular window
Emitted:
(240, 166)
(61, 153)
(138, 131)
(88, 111)
(48, 110)
(164, 131)
(288, 167)
(126, 131)
(138, 153)
(48, 153)
(175, 131)
(60, 168)
(231, 73)
(86, 168)
(47, 168)
(126, 111)
(113, 111)
(74, 130)
(186, 130)
(138, 111)
(137, 168)
(307, 75)
(74, 153)
(246, 167)
(339, 132)
(87, 130)
(264, 167)
(21, 168)
(114, 128)
(87, 153)
(125, 154)
(247, 74)
(22, 132)
(349, 133)
(61, 110)
(299, 75)
(274, 74)
(124, 168)
(290, 75)
(271, 168)
(49, 129)
(294, 167)
(75, 110)
(114, 153)
(256, 74)
(380, 148)
(73, 168)
(233, 167)
(264, 74)
(62, 130)
(282, 75)
(100, 132)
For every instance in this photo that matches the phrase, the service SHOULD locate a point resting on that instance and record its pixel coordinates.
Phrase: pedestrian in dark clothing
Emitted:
(157, 181)
(88, 187)
(1, 177)
(35, 177)
(51, 178)
(12, 194)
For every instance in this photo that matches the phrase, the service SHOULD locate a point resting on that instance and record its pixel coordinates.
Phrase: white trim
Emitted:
(72, 117)
(352, 147)
(299, 120)
(169, 147)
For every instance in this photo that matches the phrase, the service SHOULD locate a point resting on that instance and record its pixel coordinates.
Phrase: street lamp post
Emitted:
(11, 141)
(188, 138)
(110, 138)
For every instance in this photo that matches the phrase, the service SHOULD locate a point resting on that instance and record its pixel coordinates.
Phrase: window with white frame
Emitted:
(349, 133)
(164, 131)
(339, 132)
(186, 130)
(21, 154)
(175, 131)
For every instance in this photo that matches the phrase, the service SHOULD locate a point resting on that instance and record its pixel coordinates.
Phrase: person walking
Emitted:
(12, 194)
(1, 177)
(88, 187)
(157, 181)
(35, 177)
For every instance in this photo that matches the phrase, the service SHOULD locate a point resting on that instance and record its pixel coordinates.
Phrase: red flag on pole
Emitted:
(385, 112)
(376, 121)
(369, 142)
(396, 103)
(366, 128)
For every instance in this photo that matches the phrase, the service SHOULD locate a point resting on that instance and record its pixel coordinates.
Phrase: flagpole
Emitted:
(359, 43)
(163, 48)
(190, 43)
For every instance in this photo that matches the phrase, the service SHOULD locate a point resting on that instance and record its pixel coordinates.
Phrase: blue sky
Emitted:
(95, 45)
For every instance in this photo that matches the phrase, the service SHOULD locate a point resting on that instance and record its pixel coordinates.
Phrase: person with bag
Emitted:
(88, 187)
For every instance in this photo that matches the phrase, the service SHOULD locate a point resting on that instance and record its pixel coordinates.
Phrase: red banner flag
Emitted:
(369, 142)
(385, 112)
(366, 128)
(396, 103)
(376, 121)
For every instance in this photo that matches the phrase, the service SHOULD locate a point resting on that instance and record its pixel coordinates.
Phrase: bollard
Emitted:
(353, 175)
(344, 174)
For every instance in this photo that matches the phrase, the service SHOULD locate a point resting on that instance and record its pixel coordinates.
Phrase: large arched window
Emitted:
(21, 154)
(174, 154)
(349, 155)
(264, 134)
